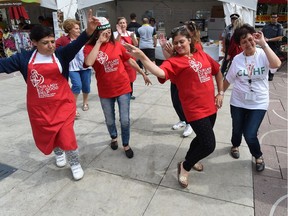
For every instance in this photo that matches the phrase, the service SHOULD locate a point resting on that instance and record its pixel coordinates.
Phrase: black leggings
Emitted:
(176, 102)
(203, 144)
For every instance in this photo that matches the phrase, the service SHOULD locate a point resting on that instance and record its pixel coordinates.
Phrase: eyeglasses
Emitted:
(274, 17)
(178, 29)
(191, 25)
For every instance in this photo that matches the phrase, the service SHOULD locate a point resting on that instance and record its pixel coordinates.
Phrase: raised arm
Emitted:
(90, 59)
(148, 64)
(274, 61)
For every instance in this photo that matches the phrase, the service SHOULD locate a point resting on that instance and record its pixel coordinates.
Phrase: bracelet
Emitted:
(264, 46)
(221, 93)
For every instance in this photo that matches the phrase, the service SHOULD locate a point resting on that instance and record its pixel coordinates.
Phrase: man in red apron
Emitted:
(50, 103)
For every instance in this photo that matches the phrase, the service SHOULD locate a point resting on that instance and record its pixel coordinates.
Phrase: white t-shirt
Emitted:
(238, 75)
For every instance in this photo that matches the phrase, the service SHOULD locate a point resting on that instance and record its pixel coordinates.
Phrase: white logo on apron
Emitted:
(43, 91)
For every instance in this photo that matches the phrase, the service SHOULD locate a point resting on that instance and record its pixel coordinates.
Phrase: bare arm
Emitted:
(134, 64)
(90, 59)
(274, 61)
(148, 64)
(219, 97)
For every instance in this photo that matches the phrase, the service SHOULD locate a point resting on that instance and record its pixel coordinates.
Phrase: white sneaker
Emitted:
(61, 160)
(77, 172)
(188, 130)
(179, 125)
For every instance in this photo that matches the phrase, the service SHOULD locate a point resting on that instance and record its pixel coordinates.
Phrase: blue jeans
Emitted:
(108, 107)
(80, 80)
(246, 122)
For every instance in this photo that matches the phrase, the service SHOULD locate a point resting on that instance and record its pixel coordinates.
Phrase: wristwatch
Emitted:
(221, 93)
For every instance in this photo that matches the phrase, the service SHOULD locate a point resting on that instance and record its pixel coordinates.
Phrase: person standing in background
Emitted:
(147, 38)
(273, 33)
(80, 77)
(226, 37)
(133, 25)
(124, 36)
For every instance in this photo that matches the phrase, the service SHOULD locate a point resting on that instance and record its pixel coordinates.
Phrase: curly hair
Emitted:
(69, 24)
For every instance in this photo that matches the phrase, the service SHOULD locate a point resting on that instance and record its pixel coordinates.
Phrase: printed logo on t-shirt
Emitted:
(203, 73)
(43, 90)
(109, 66)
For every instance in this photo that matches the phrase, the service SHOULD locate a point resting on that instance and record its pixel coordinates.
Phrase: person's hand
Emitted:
(104, 36)
(132, 35)
(259, 38)
(92, 23)
(162, 40)
(118, 28)
(219, 100)
(134, 51)
(146, 80)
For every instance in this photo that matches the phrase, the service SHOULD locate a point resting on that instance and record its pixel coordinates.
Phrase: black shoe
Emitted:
(129, 153)
(132, 97)
(114, 145)
(260, 165)
(235, 152)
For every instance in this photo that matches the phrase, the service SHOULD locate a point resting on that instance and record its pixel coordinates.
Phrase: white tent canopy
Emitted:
(246, 8)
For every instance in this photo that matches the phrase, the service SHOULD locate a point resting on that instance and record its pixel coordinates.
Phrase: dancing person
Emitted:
(194, 70)
(250, 94)
(50, 102)
(106, 56)
(80, 77)
(168, 52)
(124, 36)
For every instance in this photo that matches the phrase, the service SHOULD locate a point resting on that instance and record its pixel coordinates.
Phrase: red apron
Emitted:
(51, 107)
(130, 70)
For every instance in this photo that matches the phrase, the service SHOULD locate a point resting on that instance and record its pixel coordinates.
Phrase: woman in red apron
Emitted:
(125, 36)
(50, 103)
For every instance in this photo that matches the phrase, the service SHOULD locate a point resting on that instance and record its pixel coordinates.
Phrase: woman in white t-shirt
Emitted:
(250, 95)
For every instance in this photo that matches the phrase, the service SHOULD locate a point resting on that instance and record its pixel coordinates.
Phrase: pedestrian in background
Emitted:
(250, 94)
(80, 77)
(273, 33)
(133, 25)
(226, 37)
(192, 71)
(50, 102)
(147, 38)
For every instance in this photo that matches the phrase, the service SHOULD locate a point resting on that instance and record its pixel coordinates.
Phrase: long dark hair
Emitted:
(38, 32)
(94, 37)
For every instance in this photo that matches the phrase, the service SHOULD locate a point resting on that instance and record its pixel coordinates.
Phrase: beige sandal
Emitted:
(198, 167)
(85, 107)
(183, 180)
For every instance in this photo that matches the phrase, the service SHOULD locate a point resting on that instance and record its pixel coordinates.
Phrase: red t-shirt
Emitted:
(112, 78)
(194, 81)
(63, 41)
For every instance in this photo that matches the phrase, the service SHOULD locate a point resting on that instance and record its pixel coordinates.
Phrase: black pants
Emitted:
(176, 102)
(203, 144)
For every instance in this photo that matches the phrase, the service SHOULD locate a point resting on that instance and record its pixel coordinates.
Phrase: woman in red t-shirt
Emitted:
(191, 70)
(107, 57)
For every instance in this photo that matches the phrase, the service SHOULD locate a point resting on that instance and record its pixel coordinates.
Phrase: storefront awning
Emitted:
(16, 12)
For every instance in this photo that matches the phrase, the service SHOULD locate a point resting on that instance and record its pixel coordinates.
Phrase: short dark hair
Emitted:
(242, 32)
(39, 31)
(132, 16)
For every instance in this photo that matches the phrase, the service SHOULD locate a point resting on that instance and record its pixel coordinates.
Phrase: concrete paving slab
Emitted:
(101, 193)
(282, 157)
(270, 196)
(192, 204)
